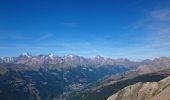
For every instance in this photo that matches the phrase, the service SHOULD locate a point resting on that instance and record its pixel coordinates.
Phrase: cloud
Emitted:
(159, 27)
(161, 14)
(155, 38)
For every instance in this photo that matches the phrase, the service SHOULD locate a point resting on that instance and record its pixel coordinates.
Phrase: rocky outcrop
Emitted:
(145, 91)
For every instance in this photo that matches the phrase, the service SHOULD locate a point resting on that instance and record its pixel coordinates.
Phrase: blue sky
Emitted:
(135, 29)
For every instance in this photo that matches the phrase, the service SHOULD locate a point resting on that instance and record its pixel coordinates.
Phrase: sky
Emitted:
(135, 29)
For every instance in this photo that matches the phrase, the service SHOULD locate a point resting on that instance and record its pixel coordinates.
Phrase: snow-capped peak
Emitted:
(99, 57)
(51, 55)
(71, 56)
(26, 54)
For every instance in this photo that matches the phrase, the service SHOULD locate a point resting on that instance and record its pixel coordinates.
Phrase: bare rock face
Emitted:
(145, 91)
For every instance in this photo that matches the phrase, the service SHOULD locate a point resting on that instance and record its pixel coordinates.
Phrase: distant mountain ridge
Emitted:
(155, 65)
(67, 61)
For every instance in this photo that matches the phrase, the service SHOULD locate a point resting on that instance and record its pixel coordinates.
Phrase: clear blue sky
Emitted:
(135, 29)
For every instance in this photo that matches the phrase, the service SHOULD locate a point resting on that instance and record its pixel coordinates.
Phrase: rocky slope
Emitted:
(145, 91)
(111, 84)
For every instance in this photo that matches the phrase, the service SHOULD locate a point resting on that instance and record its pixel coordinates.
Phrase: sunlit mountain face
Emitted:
(84, 49)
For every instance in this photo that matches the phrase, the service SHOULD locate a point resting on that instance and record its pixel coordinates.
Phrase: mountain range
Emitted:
(67, 61)
(72, 77)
